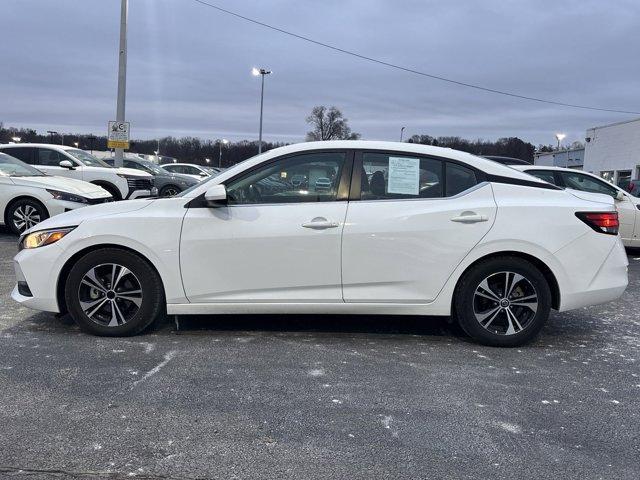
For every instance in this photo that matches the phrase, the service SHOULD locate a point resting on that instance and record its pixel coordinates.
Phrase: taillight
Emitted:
(602, 222)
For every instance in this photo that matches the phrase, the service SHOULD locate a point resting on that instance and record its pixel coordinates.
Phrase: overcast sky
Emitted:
(189, 66)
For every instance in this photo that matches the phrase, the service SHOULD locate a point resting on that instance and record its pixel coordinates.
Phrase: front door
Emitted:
(416, 219)
(48, 161)
(274, 241)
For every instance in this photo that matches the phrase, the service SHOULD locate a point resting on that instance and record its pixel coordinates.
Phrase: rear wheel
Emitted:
(503, 302)
(24, 214)
(114, 292)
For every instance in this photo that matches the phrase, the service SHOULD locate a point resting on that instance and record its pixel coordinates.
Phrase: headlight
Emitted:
(43, 237)
(67, 197)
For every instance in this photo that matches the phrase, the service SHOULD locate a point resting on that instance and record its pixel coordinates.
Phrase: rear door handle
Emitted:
(470, 217)
(320, 223)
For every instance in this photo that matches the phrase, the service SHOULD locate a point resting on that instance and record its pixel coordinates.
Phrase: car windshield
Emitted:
(12, 167)
(152, 167)
(86, 158)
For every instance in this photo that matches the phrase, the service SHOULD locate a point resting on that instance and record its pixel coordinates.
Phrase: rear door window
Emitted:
(586, 183)
(49, 158)
(21, 153)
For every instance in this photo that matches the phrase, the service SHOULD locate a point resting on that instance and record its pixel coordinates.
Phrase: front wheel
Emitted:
(114, 292)
(24, 214)
(169, 191)
(503, 302)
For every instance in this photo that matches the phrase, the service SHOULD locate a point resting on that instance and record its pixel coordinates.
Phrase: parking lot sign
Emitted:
(118, 135)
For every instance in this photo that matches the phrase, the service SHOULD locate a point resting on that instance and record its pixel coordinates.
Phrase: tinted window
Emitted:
(21, 153)
(579, 181)
(459, 179)
(49, 158)
(191, 170)
(545, 175)
(312, 177)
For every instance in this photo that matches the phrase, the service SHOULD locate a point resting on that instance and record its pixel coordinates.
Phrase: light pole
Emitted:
(224, 141)
(91, 138)
(262, 72)
(401, 132)
(560, 137)
(77, 144)
(52, 133)
(118, 160)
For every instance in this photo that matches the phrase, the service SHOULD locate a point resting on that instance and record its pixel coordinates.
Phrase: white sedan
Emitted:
(402, 229)
(627, 205)
(28, 196)
(194, 171)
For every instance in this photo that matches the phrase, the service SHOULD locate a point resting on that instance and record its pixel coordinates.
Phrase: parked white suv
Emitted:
(70, 162)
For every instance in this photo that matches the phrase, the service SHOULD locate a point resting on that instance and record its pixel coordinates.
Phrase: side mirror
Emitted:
(216, 194)
(67, 164)
(619, 196)
(204, 174)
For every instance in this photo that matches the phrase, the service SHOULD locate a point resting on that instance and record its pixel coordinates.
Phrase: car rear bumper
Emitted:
(608, 283)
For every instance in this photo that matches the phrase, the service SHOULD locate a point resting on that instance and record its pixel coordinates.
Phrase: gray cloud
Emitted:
(189, 66)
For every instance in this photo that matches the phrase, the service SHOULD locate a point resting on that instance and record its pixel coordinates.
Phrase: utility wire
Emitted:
(407, 69)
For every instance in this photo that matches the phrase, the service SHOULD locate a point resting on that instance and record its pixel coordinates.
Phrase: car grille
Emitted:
(139, 184)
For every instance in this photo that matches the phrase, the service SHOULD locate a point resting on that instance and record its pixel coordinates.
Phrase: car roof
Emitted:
(507, 160)
(545, 167)
(42, 145)
(488, 166)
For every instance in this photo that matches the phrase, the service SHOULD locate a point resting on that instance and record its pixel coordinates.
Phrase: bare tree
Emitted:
(329, 124)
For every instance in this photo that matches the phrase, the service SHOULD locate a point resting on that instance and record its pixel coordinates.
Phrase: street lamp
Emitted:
(560, 137)
(52, 133)
(208, 160)
(16, 139)
(401, 132)
(77, 144)
(262, 72)
(224, 141)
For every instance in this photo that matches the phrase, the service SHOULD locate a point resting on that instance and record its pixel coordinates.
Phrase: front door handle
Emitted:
(320, 223)
(470, 217)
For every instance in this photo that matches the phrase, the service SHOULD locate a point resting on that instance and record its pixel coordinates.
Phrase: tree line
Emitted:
(327, 123)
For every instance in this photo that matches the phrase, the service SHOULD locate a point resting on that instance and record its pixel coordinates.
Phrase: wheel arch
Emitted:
(110, 187)
(64, 272)
(548, 274)
(22, 197)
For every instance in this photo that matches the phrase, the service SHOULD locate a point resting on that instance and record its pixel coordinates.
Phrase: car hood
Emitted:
(591, 197)
(79, 215)
(132, 172)
(68, 185)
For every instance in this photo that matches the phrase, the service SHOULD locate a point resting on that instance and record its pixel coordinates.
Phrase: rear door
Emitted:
(411, 221)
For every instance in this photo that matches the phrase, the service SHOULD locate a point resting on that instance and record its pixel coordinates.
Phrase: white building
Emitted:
(570, 158)
(613, 151)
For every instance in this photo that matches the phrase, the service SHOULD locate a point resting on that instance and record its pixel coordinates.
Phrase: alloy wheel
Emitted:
(110, 294)
(25, 216)
(505, 303)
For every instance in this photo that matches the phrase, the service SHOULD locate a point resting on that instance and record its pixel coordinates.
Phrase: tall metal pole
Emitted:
(122, 76)
(220, 155)
(261, 105)
(401, 133)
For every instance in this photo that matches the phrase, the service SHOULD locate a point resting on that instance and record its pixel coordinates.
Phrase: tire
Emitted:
(112, 189)
(492, 318)
(90, 297)
(169, 191)
(23, 214)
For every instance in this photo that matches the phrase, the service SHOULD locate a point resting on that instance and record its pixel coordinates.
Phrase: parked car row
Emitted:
(38, 181)
(403, 229)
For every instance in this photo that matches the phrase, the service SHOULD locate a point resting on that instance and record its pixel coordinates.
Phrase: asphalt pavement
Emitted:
(305, 397)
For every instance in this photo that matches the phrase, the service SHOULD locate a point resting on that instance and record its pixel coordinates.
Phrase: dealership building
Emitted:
(613, 151)
(571, 158)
